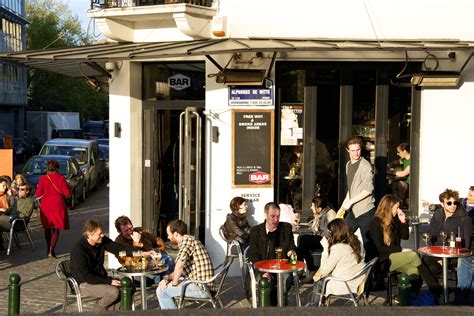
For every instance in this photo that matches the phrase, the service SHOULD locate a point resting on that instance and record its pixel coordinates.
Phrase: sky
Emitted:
(79, 8)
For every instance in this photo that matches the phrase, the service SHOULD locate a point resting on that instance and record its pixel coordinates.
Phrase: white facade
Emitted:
(446, 119)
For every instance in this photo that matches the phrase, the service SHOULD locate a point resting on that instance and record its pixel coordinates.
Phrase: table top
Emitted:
(445, 252)
(278, 266)
(129, 271)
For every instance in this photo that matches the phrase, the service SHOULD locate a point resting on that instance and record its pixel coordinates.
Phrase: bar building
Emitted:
(215, 99)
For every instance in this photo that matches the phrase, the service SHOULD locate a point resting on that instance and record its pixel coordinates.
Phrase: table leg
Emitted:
(445, 280)
(297, 288)
(143, 287)
(280, 291)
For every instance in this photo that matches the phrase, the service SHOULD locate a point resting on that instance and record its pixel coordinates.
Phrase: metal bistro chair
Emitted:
(71, 287)
(231, 244)
(353, 297)
(213, 296)
(19, 225)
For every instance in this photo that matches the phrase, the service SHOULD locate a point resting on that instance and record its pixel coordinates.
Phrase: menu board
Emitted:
(252, 148)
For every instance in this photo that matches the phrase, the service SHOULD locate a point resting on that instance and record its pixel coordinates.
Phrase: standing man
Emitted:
(359, 201)
(192, 262)
(87, 265)
(264, 238)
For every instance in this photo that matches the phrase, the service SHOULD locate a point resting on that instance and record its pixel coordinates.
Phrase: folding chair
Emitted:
(231, 244)
(353, 297)
(19, 225)
(213, 296)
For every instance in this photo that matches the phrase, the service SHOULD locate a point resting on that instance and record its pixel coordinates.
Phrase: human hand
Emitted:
(136, 237)
(340, 213)
(401, 216)
(163, 284)
(115, 283)
(267, 276)
(290, 253)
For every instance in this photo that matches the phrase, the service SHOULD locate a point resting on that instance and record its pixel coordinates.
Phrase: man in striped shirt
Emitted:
(192, 262)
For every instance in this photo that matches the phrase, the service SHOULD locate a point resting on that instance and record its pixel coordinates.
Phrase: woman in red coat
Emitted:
(53, 189)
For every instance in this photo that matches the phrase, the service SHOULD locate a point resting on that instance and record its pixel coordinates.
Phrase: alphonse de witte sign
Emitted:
(251, 96)
(252, 148)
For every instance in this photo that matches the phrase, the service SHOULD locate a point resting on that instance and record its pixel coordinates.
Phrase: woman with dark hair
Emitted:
(388, 227)
(236, 226)
(343, 259)
(323, 214)
(53, 190)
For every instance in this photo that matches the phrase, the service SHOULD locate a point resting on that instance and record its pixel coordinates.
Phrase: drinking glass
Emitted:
(443, 235)
(278, 256)
(156, 259)
(122, 255)
(426, 238)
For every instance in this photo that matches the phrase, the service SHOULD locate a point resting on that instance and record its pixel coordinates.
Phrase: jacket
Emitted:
(363, 180)
(262, 247)
(87, 262)
(236, 227)
(399, 230)
(439, 222)
(23, 207)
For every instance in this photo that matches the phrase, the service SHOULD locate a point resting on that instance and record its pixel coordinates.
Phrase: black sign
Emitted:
(252, 148)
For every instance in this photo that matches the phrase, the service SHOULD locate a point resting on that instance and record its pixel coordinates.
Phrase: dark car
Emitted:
(104, 151)
(103, 141)
(67, 133)
(35, 167)
(95, 129)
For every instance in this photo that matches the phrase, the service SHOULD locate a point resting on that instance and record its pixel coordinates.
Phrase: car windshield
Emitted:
(38, 166)
(105, 151)
(80, 153)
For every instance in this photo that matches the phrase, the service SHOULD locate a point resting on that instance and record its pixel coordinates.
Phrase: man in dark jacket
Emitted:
(264, 238)
(87, 264)
(450, 218)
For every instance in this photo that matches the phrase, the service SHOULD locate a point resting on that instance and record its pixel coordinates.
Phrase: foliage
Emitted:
(52, 25)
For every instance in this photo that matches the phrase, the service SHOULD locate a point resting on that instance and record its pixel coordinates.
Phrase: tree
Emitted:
(51, 24)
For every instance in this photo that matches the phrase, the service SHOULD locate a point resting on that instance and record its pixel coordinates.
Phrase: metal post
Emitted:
(264, 291)
(126, 297)
(14, 295)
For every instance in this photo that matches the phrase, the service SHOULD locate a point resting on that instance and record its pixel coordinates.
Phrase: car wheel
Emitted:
(84, 193)
(73, 200)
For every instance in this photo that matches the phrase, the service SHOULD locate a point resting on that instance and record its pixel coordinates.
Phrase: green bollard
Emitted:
(404, 289)
(14, 295)
(126, 297)
(264, 288)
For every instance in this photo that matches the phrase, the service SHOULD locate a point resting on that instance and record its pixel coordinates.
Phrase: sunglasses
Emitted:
(449, 203)
(22, 189)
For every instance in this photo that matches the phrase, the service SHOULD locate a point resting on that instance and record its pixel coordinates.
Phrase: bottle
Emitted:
(293, 258)
(452, 240)
(144, 263)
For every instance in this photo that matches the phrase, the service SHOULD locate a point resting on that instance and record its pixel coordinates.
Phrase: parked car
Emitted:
(95, 129)
(103, 141)
(87, 154)
(35, 167)
(104, 150)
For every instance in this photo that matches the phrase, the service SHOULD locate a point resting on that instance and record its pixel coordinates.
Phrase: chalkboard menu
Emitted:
(252, 148)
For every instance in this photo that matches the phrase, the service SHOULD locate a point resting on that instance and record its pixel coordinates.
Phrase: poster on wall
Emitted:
(252, 148)
(291, 124)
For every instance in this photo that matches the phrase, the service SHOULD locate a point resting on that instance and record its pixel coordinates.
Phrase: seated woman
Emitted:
(323, 215)
(344, 259)
(388, 227)
(236, 226)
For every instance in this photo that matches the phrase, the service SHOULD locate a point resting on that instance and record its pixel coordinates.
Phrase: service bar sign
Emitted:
(251, 96)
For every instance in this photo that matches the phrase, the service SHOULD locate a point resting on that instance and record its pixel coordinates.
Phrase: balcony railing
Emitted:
(136, 3)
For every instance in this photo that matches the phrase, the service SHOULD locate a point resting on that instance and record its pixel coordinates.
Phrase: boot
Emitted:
(416, 283)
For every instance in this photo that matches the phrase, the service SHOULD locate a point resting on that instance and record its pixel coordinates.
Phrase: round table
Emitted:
(281, 267)
(142, 273)
(445, 253)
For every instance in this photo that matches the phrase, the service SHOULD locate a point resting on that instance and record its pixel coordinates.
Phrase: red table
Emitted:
(445, 253)
(281, 267)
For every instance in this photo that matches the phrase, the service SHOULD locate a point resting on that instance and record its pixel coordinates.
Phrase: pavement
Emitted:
(42, 291)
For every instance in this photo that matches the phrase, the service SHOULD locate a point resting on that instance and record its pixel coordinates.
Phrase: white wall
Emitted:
(446, 143)
(353, 19)
(125, 169)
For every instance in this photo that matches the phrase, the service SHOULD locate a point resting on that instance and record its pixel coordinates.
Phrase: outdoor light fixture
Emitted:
(436, 79)
(241, 77)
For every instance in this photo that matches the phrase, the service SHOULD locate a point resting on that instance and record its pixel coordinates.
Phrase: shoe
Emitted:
(52, 255)
(309, 277)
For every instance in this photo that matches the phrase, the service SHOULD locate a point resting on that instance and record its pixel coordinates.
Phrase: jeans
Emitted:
(165, 297)
(465, 273)
(361, 222)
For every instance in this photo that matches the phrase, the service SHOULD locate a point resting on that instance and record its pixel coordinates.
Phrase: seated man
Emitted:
(192, 262)
(142, 239)
(22, 207)
(264, 238)
(401, 183)
(449, 219)
(87, 264)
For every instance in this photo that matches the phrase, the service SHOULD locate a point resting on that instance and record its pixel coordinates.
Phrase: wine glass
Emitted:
(426, 238)
(443, 235)
(297, 219)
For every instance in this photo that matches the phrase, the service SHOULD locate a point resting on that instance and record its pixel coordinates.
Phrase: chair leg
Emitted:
(29, 239)
(220, 302)
(10, 242)
(389, 289)
(65, 298)
(79, 302)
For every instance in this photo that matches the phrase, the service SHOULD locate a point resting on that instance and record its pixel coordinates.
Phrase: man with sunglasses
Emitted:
(22, 207)
(451, 217)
